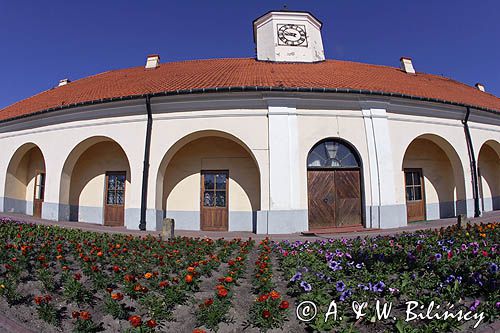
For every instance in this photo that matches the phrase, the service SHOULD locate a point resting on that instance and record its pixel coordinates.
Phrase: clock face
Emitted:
(292, 35)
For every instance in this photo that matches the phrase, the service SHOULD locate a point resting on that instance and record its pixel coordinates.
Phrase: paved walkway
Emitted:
(435, 224)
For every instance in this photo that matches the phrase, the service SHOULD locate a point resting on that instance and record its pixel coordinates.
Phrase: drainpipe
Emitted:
(145, 171)
(472, 159)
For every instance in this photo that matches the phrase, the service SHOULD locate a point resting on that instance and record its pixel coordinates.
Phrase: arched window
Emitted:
(332, 154)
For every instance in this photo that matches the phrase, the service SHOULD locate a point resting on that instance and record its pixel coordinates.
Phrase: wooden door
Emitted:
(334, 198)
(214, 200)
(38, 194)
(348, 198)
(321, 188)
(415, 199)
(114, 201)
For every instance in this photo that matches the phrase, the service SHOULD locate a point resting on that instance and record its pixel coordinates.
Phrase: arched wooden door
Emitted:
(334, 186)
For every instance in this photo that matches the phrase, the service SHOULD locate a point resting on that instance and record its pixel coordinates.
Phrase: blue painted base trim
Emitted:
(11, 205)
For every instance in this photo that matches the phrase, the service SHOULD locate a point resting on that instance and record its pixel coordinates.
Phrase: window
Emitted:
(39, 186)
(215, 189)
(115, 188)
(332, 154)
(413, 182)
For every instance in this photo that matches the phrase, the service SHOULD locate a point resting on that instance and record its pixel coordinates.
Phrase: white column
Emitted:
(284, 215)
(384, 211)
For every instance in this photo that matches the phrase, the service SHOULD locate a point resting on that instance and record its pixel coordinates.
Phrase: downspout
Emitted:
(472, 159)
(145, 171)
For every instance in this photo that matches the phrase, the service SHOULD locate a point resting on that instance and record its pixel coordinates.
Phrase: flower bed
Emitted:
(448, 267)
(73, 279)
(269, 310)
(212, 311)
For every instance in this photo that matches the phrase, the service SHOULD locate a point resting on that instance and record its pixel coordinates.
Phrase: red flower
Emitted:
(209, 302)
(485, 254)
(266, 314)
(263, 298)
(128, 278)
(222, 292)
(77, 276)
(450, 255)
(38, 300)
(199, 330)
(116, 269)
(189, 278)
(163, 284)
(228, 279)
(284, 305)
(135, 321)
(85, 315)
(75, 314)
(151, 323)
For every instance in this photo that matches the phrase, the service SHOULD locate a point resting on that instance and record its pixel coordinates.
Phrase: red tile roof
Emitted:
(224, 73)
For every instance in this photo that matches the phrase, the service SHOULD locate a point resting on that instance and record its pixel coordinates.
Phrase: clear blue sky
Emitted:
(44, 41)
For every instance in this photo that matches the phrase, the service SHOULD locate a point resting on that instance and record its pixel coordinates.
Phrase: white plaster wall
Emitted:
(57, 140)
(448, 134)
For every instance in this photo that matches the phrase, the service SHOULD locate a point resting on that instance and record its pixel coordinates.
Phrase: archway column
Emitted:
(383, 211)
(285, 214)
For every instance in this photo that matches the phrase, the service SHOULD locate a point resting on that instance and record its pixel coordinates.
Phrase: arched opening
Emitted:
(95, 177)
(334, 185)
(489, 175)
(25, 181)
(433, 179)
(210, 181)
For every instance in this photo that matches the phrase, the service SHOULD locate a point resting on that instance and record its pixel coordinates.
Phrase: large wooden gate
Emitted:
(334, 186)
(334, 198)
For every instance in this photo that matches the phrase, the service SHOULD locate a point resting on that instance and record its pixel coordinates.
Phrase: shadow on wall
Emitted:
(489, 176)
(443, 176)
(182, 181)
(87, 185)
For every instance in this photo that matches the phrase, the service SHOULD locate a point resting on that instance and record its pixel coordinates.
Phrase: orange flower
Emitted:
(135, 321)
(117, 296)
(188, 278)
(199, 330)
(163, 284)
(85, 315)
(191, 269)
(99, 254)
(151, 323)
(148, 275)
(222, 292)
(137, 287)
(228, 279)
(274, 294)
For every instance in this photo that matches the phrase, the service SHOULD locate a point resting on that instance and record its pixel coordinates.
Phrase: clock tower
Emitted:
(288, 36)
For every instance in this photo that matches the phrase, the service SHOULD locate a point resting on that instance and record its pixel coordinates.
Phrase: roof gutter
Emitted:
(256, 89)
(145, 170)
(472, 160)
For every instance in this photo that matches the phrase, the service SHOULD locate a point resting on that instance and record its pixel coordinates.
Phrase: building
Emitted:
(284, 142)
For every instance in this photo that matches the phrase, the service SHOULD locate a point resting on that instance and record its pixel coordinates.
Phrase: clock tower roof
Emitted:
(288, 36)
